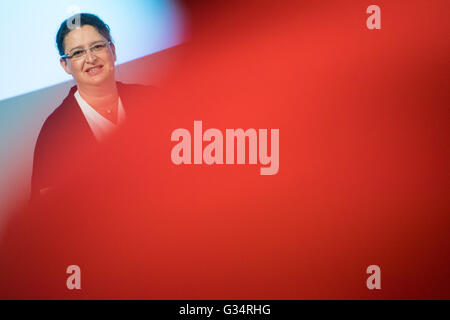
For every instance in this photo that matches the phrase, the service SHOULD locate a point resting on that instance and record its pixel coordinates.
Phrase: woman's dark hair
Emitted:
(82, 19)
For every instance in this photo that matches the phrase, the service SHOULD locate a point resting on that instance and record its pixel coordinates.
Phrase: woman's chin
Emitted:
(97, 80)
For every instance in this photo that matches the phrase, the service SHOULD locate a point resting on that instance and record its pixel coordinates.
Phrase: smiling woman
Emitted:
(88, 54)
(93, 109)
(146, 33)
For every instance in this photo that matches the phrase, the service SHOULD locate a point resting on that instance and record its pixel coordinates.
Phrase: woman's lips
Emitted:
(94, 71)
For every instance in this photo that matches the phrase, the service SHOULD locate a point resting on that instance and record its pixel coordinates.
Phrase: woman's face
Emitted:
(83, 69)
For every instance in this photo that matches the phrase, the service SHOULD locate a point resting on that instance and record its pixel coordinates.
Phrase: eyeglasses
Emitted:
(80, 53)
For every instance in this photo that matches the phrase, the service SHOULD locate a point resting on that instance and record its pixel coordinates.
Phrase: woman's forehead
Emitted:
(82, 36)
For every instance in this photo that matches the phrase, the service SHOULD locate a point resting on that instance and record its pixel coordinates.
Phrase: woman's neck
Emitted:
(103, 99)
(100, 98)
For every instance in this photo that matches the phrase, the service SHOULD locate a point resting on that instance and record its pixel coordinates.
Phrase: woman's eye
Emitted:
(77, 53)
(98, 47)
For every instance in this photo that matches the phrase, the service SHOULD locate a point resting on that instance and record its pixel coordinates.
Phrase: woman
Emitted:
(93, 109)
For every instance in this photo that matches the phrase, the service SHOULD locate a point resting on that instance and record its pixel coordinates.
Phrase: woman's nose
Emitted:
(90, 56)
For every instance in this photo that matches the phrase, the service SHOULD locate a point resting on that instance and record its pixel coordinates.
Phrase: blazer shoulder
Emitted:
(62, 109)
(60, 121)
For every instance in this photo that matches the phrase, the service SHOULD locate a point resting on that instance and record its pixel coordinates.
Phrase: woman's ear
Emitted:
(63, 63)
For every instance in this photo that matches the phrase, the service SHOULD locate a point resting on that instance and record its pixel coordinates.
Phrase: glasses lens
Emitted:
(82, 52)
(78, 54)
(98, 47)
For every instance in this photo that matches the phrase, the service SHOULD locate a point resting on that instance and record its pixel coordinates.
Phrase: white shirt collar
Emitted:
(100, 126)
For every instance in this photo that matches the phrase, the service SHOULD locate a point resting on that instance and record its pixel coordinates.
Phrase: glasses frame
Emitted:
(67, 56)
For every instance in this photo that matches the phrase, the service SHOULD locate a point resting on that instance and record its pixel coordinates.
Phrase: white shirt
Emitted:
(100, 126)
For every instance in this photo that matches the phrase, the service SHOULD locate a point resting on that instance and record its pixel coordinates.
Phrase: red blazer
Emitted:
(66, 135)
